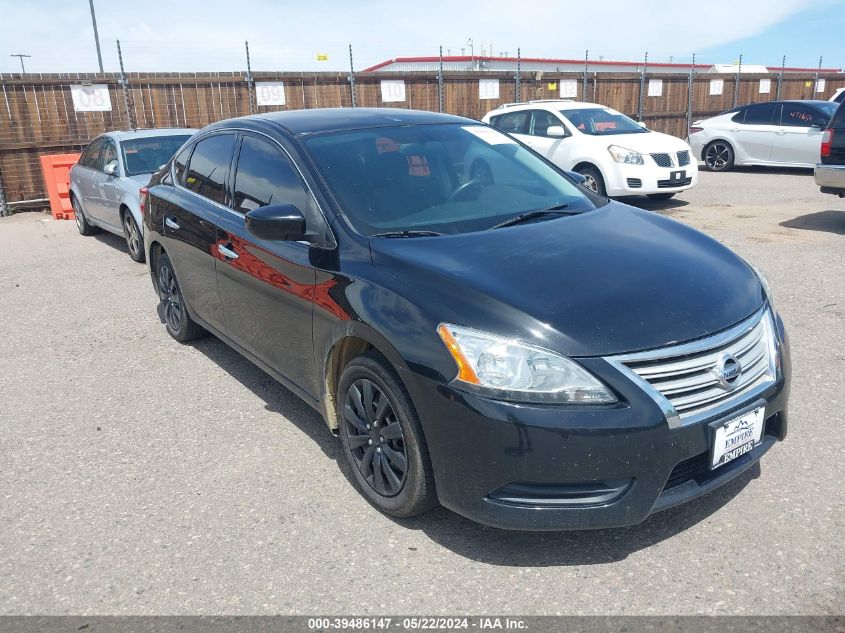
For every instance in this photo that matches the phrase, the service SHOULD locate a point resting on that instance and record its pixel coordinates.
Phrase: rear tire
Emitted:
(383, 440)
(719, 156)
(594, 181)
(81, 221)
(179, 323)
(134, 241)
(660, 196)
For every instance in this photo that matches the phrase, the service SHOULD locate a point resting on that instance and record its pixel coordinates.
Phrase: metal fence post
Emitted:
(249, 81)
(584, 76)
(642, 88)
(4, 209)
(780, 77)
(124, 84)
(690, 92)
(440, 98)
(352, 78)
(517, 75)
(736, 81)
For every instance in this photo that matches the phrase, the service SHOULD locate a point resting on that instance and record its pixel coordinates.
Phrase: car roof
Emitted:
(124, 135)
(550, 104)
(313, 121)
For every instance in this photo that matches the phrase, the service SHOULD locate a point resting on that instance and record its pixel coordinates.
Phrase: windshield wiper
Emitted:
(557, 209)
(407, 234)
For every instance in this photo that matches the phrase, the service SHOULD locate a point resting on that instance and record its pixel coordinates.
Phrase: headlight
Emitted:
(765, 283)
(625, 155)
(512, 370)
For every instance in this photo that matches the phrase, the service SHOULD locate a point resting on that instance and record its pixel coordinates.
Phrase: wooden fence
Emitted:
(37, 115)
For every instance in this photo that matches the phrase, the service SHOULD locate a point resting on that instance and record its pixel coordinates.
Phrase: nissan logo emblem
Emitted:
(728, 371)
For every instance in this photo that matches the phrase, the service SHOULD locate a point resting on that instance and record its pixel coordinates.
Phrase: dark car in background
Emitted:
(526, 352)
(830, 172)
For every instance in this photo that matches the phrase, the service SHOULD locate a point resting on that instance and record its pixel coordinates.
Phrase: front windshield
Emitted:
(439, 178)
(601, 122)
(146, 155)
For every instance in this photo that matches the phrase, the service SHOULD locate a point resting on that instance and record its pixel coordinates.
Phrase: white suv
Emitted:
(616, 155)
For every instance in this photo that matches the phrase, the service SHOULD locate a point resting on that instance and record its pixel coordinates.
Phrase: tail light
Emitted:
(142, 196)
(693, 130)
(827, 142)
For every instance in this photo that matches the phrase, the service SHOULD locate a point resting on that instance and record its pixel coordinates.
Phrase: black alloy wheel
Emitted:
(719, 156)
(375, 439)
(179, 323)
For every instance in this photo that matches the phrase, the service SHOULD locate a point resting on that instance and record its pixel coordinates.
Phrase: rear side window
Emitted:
(266, 176)
(761, 114)
(206, 173)
(513, 122)
(800, 115)
(91, 155)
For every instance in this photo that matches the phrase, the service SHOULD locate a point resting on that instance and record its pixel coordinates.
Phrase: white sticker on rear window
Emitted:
(488, 135)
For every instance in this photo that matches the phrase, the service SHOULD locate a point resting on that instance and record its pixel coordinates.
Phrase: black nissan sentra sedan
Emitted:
(516, 348)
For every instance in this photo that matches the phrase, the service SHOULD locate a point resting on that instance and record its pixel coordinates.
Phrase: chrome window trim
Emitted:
(673, 418)
(236, 130)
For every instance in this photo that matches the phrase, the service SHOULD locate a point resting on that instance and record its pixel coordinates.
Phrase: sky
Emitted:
(209, 35)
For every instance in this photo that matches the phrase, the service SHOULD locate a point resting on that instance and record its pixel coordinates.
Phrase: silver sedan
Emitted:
(106, 181)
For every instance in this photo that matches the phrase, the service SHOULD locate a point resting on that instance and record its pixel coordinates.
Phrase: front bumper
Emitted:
(831, 178)
(547, 467)
(635, 180)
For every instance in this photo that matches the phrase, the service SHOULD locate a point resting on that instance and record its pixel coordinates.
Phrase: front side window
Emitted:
(602, 122)
(266, 176)
(107, 154)
(146, 155)
(802, 115)
(513, 122)
(180, 164)
(91, 156)
(542, 121)
(206, 173)
(445, 178)
(761, 114)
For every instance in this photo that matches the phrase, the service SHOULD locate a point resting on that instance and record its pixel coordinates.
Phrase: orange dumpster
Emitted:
(56, 169)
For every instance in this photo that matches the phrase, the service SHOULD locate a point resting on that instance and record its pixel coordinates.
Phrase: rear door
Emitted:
(797, 140)
(267, 287)
(83, 175)
(189, 221)
(106, 206)
(755, 130)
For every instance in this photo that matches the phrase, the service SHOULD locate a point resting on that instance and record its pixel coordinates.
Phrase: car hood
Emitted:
(613, 280)
(650, 142)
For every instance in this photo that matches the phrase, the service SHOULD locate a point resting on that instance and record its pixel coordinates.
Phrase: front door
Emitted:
(797, 141)
(757, 131)
(267, 287)
(106, 206)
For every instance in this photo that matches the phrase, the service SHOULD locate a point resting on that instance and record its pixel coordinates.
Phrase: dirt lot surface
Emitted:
(141, 476)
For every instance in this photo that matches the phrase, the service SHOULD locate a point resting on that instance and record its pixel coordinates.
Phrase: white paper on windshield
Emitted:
(488, 135)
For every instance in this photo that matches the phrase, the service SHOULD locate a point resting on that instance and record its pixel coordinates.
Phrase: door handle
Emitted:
(171, 224)
(227, 252)
(781, 132)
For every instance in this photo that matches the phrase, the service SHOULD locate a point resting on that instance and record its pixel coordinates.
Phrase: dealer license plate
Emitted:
(737, 436)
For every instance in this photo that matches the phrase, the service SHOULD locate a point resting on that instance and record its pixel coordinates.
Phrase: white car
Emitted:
(838, 96)
(778, 133)
(616, 155)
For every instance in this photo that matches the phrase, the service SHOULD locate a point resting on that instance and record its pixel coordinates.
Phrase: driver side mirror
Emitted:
(276, 222)
(556, 131)
(111, 168)
(579, 179)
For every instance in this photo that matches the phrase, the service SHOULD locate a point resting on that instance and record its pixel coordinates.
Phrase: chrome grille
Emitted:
(662, 160)
(684, 379)
(683, 158)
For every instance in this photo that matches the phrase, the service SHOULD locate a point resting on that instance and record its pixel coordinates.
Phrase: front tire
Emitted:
(179, 323)
(593, 179)
(134, 241)
(719, 156)
(383, 440)
(660, 196)
(81, 221)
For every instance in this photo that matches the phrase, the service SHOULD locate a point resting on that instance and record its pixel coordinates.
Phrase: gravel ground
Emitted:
(140, 476)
